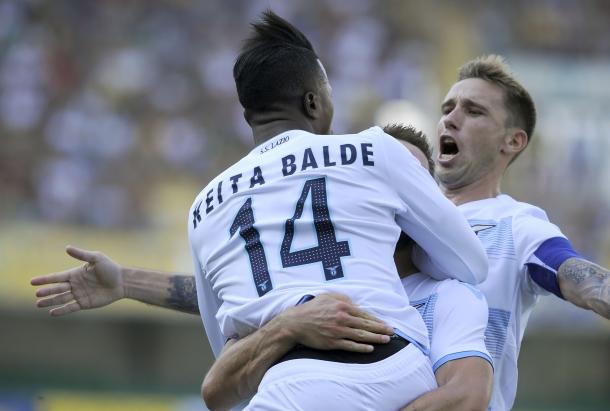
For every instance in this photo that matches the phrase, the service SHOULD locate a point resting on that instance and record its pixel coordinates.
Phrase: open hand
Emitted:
(95, 284)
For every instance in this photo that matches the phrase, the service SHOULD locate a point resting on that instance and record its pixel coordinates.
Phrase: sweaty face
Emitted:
(470, 132)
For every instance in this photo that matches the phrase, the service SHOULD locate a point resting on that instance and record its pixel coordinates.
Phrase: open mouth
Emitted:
(448, 148)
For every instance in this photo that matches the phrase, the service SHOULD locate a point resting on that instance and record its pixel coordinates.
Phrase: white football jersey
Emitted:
(307, 214)
(455, 315)
(512, 234)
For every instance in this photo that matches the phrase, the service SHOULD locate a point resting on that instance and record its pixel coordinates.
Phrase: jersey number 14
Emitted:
(328, 251)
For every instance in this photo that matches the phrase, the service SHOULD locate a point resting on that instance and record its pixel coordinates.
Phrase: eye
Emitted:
(446, 110)
(474, 112)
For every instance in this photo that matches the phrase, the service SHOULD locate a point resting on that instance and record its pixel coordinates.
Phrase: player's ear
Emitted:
(515, 142)
(247, 117)
(311, 104)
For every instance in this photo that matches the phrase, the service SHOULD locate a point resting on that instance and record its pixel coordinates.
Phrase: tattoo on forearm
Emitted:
(183, 294)
(586, 284)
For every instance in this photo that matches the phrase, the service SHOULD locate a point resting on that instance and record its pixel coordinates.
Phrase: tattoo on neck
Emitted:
(183, 294)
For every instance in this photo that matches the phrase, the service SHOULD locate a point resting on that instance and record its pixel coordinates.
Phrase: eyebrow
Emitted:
(466, 102)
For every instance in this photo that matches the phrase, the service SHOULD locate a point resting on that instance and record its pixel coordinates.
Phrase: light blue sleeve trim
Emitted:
(461, 354)
(413, 341)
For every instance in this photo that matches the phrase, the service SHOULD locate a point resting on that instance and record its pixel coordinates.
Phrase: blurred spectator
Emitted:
(100, 101)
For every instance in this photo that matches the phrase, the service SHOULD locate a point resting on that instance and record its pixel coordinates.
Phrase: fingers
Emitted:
(53, 289)
(65, 309)
(363, 336)
(53, 278)
(374, 325)
(354, 310)
(348, 345)
(58, 299)
(80, 254)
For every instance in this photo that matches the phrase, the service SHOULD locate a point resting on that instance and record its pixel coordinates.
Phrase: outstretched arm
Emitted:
(101, 281)
(463, 384)
(329, 321)
(586, 285)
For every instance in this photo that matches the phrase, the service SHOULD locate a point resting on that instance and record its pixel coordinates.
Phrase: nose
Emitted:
(451, 120)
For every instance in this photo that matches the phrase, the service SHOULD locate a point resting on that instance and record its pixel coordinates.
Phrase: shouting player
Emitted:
(487, 120)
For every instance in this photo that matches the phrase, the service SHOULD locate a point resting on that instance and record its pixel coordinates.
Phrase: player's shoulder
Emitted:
(501, 207)
(458, 300)
(374, 132)
(459, 292)
(523, 209)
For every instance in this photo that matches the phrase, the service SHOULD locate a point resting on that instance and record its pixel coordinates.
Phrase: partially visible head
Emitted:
(278, 68)
(487, 120)
(415, 141)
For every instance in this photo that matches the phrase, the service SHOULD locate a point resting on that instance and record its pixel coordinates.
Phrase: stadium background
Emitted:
(113, 114)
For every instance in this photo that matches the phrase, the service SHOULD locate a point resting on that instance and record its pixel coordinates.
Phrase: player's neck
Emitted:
(270, 124)
(487, 187)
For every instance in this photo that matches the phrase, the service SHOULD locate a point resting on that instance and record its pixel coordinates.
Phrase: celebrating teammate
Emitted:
(455, 315)
(487, 120)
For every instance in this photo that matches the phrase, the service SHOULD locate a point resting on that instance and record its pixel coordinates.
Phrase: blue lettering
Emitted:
(219, 192)
(344, 159)
(327, 162)
(288, 167)
(234, 180)
(257, 178)
(366, 152)
(208, 201)
(308, 160)
(197, 215)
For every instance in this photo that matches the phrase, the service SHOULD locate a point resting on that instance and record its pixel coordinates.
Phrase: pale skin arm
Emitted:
(330, 321)
(463, 385)
(101, 281)
(586, 285)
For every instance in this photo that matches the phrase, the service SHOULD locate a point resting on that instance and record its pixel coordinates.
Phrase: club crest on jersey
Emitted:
(477, 228)
(263, 285)
(333, 270)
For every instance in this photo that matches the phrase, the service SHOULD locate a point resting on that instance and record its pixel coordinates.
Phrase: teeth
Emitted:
(446, 156)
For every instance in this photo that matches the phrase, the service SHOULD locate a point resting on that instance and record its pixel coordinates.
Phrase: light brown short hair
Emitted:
(413, 136)
(519, 103)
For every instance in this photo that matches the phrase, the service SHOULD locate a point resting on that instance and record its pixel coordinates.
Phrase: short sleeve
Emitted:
(541, 247)
(460, 320)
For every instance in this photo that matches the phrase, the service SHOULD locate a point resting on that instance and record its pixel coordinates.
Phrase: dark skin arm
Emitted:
(586, 285)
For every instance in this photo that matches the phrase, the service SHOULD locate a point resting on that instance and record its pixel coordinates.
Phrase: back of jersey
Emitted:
(305, 214)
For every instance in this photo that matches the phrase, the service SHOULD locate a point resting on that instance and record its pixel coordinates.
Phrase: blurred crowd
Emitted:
(101, 100)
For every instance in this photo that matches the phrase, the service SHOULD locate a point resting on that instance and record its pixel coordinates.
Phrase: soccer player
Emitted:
(306, 213)
(455, 316)
(487, 120)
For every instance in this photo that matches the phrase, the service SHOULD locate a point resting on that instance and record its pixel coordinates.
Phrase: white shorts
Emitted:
(313, 385)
